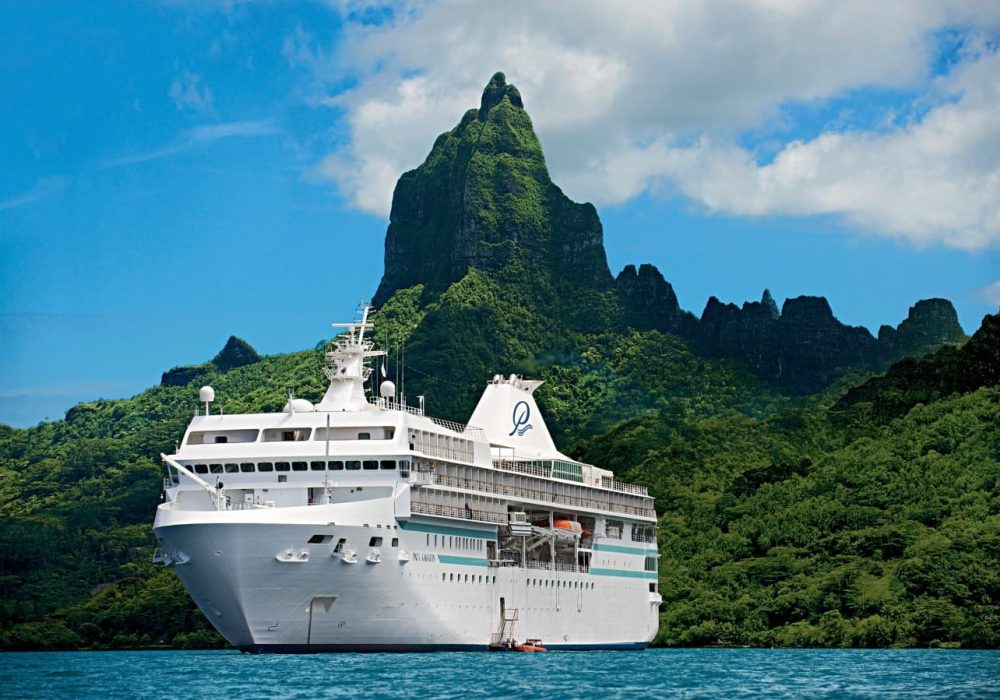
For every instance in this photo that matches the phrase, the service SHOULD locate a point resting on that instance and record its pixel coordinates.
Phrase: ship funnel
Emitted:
(508, 413)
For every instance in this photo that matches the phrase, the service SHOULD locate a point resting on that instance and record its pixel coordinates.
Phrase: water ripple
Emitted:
(660, 673)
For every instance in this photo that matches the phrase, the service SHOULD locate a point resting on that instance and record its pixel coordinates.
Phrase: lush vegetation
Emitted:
(808, 529)
(865, 515)
(782, 522)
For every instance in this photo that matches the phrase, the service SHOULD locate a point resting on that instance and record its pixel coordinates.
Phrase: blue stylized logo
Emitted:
(522, 412)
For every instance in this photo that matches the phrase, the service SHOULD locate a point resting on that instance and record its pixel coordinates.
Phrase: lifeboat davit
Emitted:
(531, 645)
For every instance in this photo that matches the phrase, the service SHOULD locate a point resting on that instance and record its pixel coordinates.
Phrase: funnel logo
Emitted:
(522, 412)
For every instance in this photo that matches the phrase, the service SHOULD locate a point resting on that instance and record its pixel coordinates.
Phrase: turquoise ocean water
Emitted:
(657, 673)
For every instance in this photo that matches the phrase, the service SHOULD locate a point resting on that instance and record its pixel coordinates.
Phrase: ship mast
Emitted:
(347, 368)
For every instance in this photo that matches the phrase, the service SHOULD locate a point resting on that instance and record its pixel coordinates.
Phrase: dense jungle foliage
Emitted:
(782, 522)
(865, 515)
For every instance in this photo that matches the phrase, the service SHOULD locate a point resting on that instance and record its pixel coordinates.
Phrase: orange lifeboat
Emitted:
(531, 645)
(571, 526)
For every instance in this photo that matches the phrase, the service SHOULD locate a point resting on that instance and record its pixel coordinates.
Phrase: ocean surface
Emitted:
(659, 673)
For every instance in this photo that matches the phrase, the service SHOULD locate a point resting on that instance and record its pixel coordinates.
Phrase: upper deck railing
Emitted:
(470, 431)
(533, 468)
(536, 494)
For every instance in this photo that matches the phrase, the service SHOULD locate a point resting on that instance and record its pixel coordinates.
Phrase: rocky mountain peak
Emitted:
(483, 199)
(767, 303)
(650, 300)
(929, 324)
(495, 91)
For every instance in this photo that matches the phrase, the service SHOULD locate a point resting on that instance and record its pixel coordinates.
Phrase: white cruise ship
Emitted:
(361, 524)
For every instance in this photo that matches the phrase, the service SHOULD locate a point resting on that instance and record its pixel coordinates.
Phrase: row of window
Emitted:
(316, 466)
(536, 582)
(547, 583)
(326, 539)
(471, 543)
(453, 578)
(283, 435)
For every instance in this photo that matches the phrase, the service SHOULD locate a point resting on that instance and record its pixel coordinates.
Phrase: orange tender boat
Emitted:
(572, 526)
(531, 645)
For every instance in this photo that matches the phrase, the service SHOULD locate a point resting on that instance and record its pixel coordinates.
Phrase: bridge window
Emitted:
(299, 466)
(201, 469)
(336, 465)
(208, 437)
(265, 467)
(286, 434)
(282, 466)
(371, 464)
(246, 467)
(232, 468)
(387, 464)
(215, 469)
(317, 466)
(353, 464)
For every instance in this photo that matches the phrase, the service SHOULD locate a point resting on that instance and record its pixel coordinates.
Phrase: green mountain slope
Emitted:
(803, 529)
(778, 514)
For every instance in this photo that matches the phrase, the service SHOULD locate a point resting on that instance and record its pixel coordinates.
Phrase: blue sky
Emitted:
(176, 173)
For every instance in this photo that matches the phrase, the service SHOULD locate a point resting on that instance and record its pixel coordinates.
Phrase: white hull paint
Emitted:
(433, 601)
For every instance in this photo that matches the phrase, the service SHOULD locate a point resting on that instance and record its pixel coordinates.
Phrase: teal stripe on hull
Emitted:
(464, 561)
(621, 549)
(446, 530)
(651, 575)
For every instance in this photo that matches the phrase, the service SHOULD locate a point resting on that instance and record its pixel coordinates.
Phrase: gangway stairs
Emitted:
(504, 637)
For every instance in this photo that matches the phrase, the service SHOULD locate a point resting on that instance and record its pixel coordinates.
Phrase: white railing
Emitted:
(536, 494)
(541, 565)
(391, 404)
(457, 512)
(622, 487)
(526, 467)
(470, 431)
(429, 448)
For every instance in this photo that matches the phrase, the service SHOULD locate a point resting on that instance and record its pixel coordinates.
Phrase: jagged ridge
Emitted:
(483, 200)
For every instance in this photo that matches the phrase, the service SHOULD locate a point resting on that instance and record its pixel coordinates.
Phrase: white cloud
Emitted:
(198, 136)
(42, 189)
(934, 181)
(190, 94)
(638, 97)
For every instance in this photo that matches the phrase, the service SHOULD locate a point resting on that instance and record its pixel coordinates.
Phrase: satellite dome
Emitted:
(299, 406)
(206, 393)
(387, 389)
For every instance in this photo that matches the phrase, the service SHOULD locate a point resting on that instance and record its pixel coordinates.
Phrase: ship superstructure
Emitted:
(362, 524)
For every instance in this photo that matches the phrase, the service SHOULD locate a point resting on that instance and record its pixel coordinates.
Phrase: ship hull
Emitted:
(266, 589)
